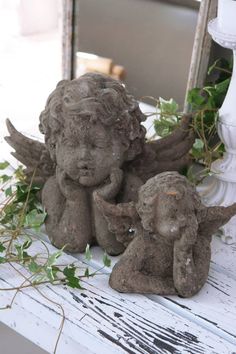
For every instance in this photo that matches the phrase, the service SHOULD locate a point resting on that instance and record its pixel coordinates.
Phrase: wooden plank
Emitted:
(67, 36)
(223, 257)
(100, 319)
(214, 307)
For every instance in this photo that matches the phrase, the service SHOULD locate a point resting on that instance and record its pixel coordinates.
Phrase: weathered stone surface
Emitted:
(169, 252)
(94, 141)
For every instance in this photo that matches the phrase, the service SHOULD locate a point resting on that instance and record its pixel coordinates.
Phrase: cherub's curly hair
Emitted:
(165, 182)
(117, 109)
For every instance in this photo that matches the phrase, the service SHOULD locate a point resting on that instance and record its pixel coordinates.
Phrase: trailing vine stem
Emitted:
(21, 211)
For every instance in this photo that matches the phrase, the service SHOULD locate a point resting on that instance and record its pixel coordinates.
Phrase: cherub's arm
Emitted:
(68, 221)
(191, 262)
(129, 276)
(192, 252)
(125, 279)
(110, 190)
(105, 238)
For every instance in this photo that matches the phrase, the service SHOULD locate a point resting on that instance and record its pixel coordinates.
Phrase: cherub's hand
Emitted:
(188, 236)
(109, 191)
(68, 187)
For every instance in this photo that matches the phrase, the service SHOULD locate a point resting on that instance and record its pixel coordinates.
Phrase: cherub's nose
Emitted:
(84, 152)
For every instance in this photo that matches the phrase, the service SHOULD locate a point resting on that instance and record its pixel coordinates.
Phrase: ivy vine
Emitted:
(20, 213)
(204, 103)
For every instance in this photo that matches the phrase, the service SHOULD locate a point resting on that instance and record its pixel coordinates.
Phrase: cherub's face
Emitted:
(172, 215)
(87, 152)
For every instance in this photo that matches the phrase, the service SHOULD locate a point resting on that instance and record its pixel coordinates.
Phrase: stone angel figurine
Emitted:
(94, 141)
(169, 231)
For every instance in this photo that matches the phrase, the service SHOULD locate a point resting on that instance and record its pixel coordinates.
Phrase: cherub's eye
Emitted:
(69, 142)
(98, 145)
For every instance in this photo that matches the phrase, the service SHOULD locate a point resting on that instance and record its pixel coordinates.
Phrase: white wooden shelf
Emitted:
(100, 320)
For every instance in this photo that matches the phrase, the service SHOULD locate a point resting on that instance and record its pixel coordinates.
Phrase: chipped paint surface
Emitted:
(100, 320)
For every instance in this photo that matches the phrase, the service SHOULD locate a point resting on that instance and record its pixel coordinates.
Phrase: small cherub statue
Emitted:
(170, 251)
(94, 141)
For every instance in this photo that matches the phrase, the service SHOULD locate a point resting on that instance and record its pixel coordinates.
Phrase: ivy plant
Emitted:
(204, 103)
(20, 213)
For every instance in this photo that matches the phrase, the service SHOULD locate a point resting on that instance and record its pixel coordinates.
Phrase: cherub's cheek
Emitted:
(169, 228)
(64, 162)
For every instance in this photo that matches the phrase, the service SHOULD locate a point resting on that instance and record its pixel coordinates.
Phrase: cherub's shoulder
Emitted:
(50, 184)
(51, 194)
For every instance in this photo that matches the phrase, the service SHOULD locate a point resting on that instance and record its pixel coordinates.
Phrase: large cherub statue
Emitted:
(94, 140)
(170, 248)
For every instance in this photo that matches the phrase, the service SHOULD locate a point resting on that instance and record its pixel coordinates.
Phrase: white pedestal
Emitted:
(220, 189)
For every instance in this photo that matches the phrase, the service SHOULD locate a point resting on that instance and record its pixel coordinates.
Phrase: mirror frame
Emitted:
(202, 46)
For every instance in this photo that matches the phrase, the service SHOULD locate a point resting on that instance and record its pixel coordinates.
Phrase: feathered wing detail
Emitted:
(215, 217)
(167, 154)
(30, 153)
(123, 219)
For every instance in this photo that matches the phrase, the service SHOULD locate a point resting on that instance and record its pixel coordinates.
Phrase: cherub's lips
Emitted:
(85, 170)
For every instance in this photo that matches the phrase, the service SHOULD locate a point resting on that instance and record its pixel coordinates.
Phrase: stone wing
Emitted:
(215, 217)
(166, 154)
(32, 154)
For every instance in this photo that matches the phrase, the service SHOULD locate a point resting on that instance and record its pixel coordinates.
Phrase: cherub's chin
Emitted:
(87, 181)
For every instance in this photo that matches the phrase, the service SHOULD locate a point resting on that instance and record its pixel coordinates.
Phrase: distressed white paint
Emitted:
(226, 15)
(99, 319)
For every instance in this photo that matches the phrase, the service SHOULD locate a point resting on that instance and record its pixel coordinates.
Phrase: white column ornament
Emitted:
(220, 188)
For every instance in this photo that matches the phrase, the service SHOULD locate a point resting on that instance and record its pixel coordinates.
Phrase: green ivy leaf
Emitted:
(19, 173)
(222, 87)
(106, 260)
(34, 219)
(34, 267)
(69, 271)
(88, 254)
(53, 257)
(196, 98)
(74, 283)
(27, 244)
(3, 260)
(22, 255)
(169, 107)
(8, 192)
(86, 273)
(49, 273)
(71, 279)
(198, 144)
(5, 178)
(4, 165)
(55, 270)
(2, 248)
(198, 149)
